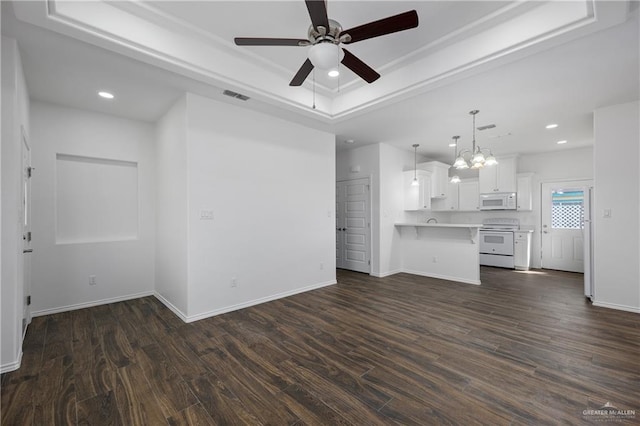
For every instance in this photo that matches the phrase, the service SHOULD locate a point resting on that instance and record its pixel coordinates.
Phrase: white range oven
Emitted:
(497, 242)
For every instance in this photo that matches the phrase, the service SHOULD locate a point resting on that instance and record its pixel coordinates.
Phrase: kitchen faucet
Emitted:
(432, 219)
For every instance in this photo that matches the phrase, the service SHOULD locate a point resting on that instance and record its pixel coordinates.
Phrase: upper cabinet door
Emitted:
(417, 197)
(439, 178)
(499, 178)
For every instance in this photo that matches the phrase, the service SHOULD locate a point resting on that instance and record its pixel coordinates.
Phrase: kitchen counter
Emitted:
(447, 251)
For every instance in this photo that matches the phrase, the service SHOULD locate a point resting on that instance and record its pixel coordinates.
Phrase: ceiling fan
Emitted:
(325, 35)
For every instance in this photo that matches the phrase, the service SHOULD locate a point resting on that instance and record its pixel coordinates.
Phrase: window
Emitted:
(567, 209)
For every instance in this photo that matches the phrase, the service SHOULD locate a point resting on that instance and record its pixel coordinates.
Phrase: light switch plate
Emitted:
(206, 214)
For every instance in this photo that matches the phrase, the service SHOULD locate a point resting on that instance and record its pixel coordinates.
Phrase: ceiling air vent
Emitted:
(487, 127)
(235, 95)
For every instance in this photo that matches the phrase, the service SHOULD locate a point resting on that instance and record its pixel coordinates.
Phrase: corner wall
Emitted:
(15, 117)
(270, 185)
(124, 268)
(171, 209)
(617, 238)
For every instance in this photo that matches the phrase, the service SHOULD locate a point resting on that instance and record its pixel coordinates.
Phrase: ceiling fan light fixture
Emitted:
(325, 55)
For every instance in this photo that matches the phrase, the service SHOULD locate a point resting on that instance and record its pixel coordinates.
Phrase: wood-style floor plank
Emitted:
(520, 349)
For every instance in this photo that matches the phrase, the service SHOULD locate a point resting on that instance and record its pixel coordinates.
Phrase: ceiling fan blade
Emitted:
(249, 41)
(318, 13)
(302, 74)
(367, 73)
(392, 24)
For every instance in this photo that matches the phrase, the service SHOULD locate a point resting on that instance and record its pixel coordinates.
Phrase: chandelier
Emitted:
(476, 158)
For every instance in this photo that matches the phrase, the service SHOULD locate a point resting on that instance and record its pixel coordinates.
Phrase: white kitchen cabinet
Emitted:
(468, 195)
(439, 178)
(522, 250)
(417, 197)
(499, 178)
(450, 203)
(524, 192)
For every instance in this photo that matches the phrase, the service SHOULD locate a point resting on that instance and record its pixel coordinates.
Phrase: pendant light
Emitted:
(456, 178)
(477, 158)
(415, 165)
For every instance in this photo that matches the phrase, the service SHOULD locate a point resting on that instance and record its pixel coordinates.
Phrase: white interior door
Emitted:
(562, 226)
(25, 212)
(353, 225)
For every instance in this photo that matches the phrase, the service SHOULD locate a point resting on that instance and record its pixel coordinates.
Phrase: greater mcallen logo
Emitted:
(608, 412)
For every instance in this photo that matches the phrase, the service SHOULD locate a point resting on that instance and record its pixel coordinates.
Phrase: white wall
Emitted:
(271, 186)
(393, 162)
(123, 269)
(15, 115)
(563, 165)
(617, 242)
(171, 208)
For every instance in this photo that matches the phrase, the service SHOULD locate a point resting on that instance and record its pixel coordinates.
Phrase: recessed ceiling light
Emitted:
(452, 145)
(561, 142)
(349, 141)
(106, 95)
(333, 73)
(551, 126)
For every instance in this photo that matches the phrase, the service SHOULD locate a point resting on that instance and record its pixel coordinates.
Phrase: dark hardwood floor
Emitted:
(523, 348)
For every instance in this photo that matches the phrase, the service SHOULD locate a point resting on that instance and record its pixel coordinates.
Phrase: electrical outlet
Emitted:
(92, 280)
(234, 282)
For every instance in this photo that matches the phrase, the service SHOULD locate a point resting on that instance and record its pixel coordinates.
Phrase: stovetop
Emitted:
(500, 224)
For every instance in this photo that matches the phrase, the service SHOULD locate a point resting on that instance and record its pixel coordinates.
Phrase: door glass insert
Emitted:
(567, 209)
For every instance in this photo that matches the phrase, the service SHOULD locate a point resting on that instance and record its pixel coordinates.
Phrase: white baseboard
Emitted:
(90, 304)
(171, 307)
(443, 277)
(634, 309)
(385, 274)
(243, 305)
(11, 366)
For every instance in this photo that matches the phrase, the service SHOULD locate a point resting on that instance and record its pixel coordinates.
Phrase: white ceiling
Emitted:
(522, 64)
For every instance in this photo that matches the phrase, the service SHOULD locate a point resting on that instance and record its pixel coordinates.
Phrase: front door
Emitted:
(353, 225)
(562, 215)
(25, 213)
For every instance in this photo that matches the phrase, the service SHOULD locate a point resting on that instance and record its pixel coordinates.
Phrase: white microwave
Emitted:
(498, 201)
